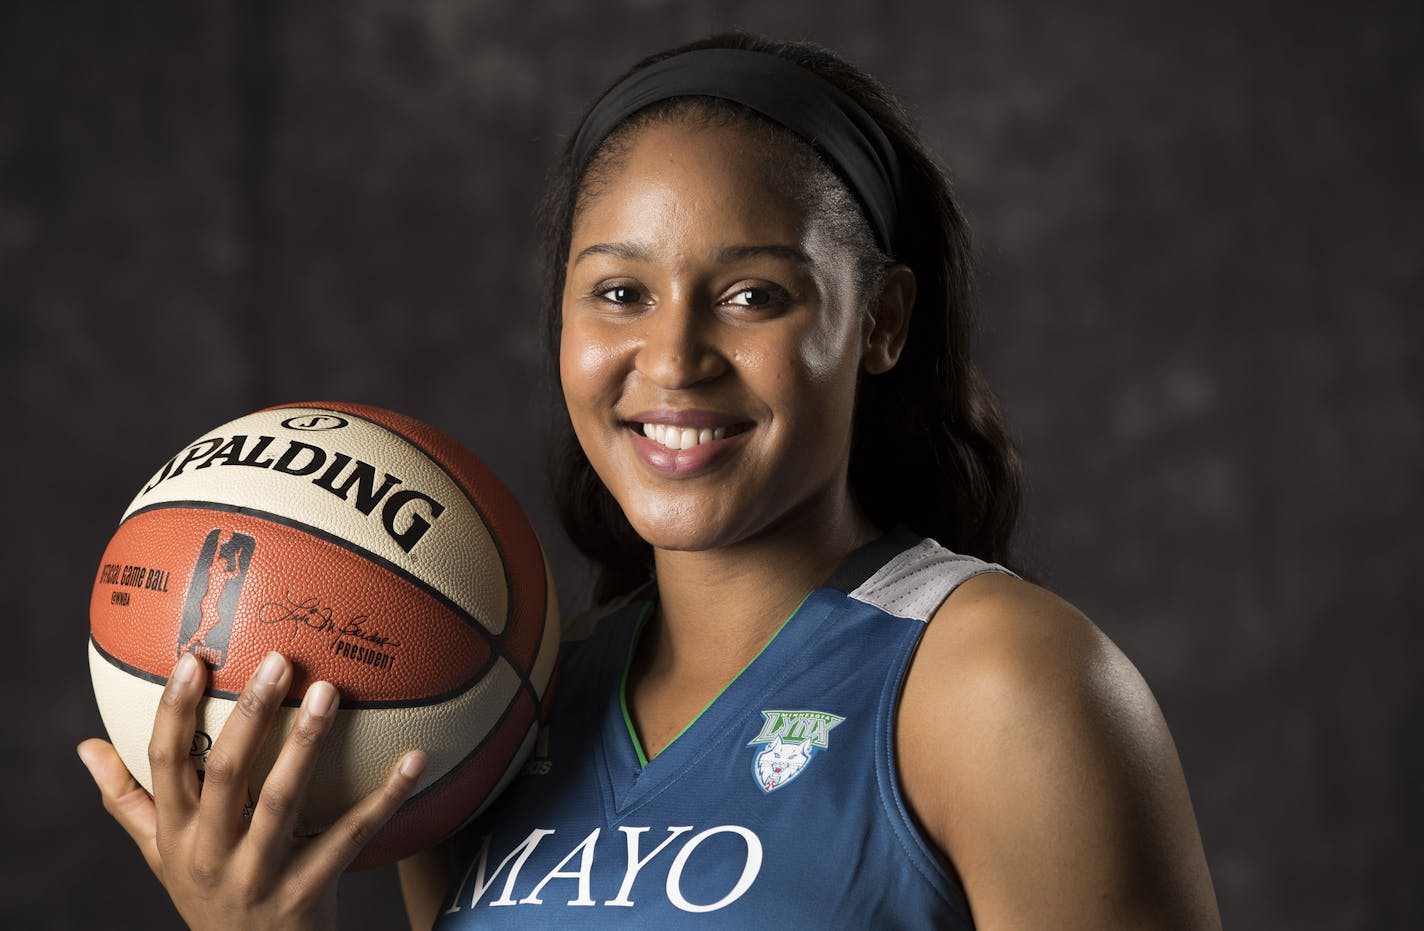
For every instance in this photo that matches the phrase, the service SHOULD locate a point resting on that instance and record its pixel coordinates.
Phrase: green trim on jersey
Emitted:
(623, 683)
(628, 665)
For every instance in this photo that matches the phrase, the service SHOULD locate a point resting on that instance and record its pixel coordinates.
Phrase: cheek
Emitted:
(816, 360)
(587, 365)
(833, 352)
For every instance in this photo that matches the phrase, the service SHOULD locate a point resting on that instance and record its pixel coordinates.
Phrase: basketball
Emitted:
(375, 553)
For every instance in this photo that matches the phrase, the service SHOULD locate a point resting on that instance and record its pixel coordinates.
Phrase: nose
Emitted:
(679, 347)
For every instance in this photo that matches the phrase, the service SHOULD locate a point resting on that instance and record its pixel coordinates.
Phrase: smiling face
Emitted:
(711, 341)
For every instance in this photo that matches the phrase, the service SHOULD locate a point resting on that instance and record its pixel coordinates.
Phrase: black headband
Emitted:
(811, 107)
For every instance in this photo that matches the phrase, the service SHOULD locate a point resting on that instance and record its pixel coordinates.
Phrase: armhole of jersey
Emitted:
(919, 849)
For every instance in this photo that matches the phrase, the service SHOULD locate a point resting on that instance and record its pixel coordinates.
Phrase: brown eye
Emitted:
(757, 297)
(622, 294)
(750, 297)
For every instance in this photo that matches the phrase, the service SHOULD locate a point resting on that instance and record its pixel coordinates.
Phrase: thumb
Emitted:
(123, 797)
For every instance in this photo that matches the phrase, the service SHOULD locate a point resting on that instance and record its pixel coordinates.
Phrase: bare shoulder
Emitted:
(1037, 761)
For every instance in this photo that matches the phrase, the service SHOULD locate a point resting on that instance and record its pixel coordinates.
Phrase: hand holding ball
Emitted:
(376, 554)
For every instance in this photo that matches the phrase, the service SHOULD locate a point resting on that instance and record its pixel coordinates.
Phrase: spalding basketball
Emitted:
(376, 554)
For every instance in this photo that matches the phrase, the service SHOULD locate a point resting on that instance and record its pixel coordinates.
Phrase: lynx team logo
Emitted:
(791, 740)
(212, 595)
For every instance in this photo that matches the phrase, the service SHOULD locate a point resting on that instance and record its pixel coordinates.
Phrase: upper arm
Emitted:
(423, 879)
(1037, 760)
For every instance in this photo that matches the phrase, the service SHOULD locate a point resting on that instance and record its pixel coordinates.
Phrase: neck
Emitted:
(719, 607)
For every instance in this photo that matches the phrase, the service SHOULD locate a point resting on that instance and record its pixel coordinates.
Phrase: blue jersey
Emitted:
(779, 805)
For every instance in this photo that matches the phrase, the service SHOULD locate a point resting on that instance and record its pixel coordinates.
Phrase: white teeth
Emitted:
(681, 437)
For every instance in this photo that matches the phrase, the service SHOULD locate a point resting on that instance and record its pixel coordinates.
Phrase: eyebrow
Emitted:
(634, 252)
(737, 253)
(637, 252)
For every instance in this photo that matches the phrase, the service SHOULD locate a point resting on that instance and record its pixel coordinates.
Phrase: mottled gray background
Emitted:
(1201, 242)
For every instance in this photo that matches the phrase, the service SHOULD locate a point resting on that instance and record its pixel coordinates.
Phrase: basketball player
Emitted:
(815, 694)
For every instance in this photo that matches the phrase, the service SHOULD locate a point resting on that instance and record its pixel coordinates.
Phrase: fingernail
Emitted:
(185, 669)
(271, 669)
(84, 756)
(319, 699)
(413, 764)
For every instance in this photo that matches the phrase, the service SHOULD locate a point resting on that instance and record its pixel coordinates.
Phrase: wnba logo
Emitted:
(212, 595)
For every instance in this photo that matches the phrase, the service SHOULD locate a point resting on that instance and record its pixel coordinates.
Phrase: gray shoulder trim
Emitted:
(917, 581)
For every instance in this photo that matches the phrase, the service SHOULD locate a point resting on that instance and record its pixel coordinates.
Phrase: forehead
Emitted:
(681, 177)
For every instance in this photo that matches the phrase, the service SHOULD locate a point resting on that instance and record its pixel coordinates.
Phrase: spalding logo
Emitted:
(405, 515)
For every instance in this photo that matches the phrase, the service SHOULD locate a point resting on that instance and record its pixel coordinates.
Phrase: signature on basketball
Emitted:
(311, 614)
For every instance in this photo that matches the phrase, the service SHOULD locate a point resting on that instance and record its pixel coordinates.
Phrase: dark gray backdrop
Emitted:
(1201, 249)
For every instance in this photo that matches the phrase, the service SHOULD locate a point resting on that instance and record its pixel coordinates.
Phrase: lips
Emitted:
(685, 442)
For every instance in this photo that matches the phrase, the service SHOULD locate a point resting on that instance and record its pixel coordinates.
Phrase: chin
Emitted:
(681, 531)
(677, 539)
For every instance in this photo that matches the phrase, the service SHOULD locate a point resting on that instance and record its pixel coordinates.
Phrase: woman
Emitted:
(796, 705)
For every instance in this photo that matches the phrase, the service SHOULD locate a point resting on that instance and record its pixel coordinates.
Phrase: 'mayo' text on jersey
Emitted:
(680, 844)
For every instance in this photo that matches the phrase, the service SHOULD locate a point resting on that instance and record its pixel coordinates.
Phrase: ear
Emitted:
(888, 323)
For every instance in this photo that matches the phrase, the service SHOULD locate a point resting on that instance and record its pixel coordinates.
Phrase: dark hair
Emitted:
(929, 449)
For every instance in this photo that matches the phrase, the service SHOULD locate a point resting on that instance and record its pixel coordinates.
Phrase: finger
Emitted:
(229, 762)
(175, 782)
(282, 793)
(124, 798)
(332, 851)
